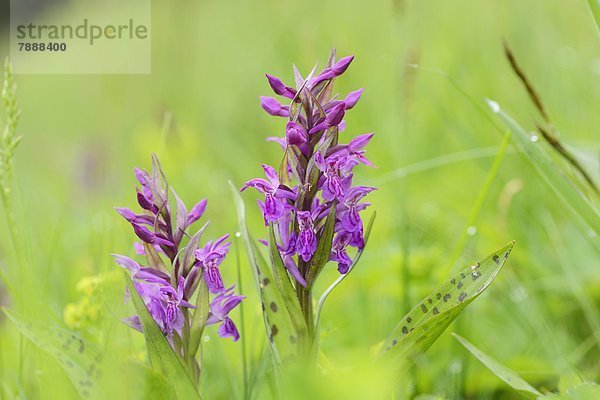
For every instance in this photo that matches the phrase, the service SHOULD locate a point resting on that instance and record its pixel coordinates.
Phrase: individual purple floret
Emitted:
(316, 174)
(175, 271)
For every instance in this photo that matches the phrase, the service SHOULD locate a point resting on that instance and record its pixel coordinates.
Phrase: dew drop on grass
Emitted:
(471, 231)
(238, 234)
(206, 339)
(493, 105)
(534, 138)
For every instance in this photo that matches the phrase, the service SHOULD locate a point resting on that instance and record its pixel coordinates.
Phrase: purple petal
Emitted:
(360, 142)
(271, 175)
(133, 322)
(352, 98)
(196, 212)
(276, 84)
(228, 329)
(259, 184)
(273, 107)
(295, 134)
(291, 266)
(145, 203)
(143, 233)
(336, 115)
(127, 263)
(342, 65)
(213, 279)
(126, 213)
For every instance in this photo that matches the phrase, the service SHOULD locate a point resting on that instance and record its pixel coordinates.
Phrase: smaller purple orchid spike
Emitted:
(176, 271)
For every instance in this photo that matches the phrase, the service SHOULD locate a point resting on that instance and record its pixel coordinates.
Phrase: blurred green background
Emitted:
(199, 111)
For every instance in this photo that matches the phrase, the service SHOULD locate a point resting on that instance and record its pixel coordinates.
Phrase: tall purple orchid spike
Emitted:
(313, 187)
(176, 273)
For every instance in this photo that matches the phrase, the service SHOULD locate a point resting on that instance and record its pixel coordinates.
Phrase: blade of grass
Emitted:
(510, 377)
(246, 389)
(479, 202)
(571, 198)
(595, 10)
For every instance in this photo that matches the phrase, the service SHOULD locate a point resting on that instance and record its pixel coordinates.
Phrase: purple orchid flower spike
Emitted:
(310, 202)
(176, 267)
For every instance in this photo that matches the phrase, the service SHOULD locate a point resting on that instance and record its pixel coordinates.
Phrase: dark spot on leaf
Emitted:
(412, 329)
(506, 255)
(81, 346)
(265, 282)
(91, 369)
(435, 311)
(292, 338)
(462, 296)
(394, 342)
(462, 275)
(273, 306)
(423, 308)
(274, 329)
(85, 393)
(496, 259)
(447, 297)
(475, 275)
(409, 320)
(460, 284)
(438, 296)
(429, 300)
(452, 281)
(404, 330)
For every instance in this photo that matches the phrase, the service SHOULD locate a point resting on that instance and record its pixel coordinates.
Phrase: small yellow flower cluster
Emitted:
(89, 308)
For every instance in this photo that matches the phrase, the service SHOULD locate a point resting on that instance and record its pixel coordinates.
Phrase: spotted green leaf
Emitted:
(510, 377)
(77, 357)
(422, 326)
(278, 323)
(162, 357)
